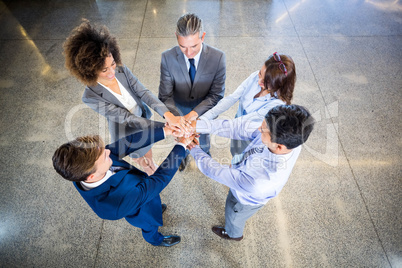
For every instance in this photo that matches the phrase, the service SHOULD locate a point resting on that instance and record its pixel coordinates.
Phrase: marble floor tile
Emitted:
(345, 18)
(341, 205)
(55, 19)
(221, 18)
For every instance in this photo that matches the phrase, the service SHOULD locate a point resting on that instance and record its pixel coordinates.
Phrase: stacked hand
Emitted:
(179, 124)
(183, 128)
(188, 138)
(190, 141)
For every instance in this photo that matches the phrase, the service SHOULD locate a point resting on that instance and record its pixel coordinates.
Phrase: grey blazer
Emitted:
(209, 81)
(121, 121)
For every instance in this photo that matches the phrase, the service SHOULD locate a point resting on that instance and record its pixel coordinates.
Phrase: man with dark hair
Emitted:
(261, 171)
(113, 188)
(192, 74)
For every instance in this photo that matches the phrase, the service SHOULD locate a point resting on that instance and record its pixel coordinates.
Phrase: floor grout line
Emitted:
(99, 243)
(140, 35)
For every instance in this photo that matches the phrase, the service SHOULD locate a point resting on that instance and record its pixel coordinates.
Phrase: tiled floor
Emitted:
(342, 204)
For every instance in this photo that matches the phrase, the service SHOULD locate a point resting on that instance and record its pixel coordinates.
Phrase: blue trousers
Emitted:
(152, 236)
(150, 233)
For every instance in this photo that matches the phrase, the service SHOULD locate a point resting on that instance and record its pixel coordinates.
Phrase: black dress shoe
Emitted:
(223, 234)
(184, 163)
(170, 240)
(164, 207)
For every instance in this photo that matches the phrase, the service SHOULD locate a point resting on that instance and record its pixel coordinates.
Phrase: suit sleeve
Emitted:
(144, 94)
(133, 142)
(166, 86)
(217, 89)
(113, 112)
(151, 187)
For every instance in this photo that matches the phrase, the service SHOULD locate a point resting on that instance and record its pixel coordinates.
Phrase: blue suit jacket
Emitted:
(130, 193)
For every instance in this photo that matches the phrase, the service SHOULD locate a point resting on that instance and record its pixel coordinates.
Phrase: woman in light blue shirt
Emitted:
(272, 85)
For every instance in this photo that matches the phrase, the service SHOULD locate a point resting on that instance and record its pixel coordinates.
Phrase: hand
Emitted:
(193, 143)
(188, 141)
(194, 125)
(178, 123)
(191, 116)
(175, 132)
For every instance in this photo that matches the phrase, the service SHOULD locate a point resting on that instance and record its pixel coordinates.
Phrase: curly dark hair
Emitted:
(277, 81)
(86, 49)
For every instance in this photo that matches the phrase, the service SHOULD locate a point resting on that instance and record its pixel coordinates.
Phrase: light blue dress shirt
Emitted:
(260, 176)
(254, 108)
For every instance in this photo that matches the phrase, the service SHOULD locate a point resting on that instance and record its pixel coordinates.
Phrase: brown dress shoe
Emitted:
(223, 234)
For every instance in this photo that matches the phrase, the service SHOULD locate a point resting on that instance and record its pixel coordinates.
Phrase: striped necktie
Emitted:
(250, 152)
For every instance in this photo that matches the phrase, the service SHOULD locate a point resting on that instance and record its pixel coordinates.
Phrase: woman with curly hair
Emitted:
(272, 85)
(93, 56)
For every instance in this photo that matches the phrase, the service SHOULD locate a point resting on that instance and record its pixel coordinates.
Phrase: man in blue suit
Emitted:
(113, 188)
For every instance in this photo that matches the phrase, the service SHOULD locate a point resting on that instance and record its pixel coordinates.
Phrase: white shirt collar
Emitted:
(88, 186)
(196, 58)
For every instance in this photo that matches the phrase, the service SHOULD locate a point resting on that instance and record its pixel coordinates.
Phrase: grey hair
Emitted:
(189, 24)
